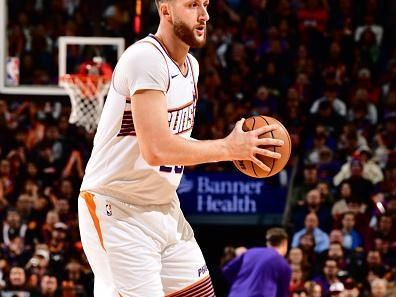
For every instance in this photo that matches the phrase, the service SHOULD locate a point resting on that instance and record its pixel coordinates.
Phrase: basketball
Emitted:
(276, 165)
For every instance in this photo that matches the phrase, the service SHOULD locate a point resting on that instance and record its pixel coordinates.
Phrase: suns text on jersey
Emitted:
(181, 119)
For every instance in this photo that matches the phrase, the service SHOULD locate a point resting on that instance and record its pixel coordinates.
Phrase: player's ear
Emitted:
(165, 10)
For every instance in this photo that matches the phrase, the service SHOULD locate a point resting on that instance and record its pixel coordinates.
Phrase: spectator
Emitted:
(328, 166)
(52, 218)
(311, 225)
(349, 141)
(77, 277)
(362, 188)
(378, 288)
(329, 276)
(360, 212)
(228, 255)
(319, 146)
(13, 227)
(375, 264)
(389, 85)
(49, 286)
(330, 95)
(336, 289)
(389, 103)
(364, 81)
(313, 16)
(16, 284)
(385, 229)
(295, 256)
(336, 252)
(344, 194)
(297, 279)
(363, 113)
(371, 170)
(336, 67)
(6, 179)
(326, 196)
(351, 288)
(313, 204)
(58, 247)
(303, 84)
(38, 265)
(336, 236)
(369, 23)
(327, 117)
(313, 289)
(368, 50)
(383, 244)
(352, 239)
(15, 252)
(264, 102)
(307, 246)
(310, 181)
(385, 142)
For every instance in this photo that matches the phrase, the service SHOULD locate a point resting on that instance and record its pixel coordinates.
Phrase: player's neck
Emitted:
(176, 48)
(282, 250)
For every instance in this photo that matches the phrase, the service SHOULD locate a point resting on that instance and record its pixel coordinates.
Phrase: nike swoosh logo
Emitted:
(173, 76)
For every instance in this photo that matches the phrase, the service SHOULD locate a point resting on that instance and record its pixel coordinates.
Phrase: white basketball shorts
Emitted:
(141, 251)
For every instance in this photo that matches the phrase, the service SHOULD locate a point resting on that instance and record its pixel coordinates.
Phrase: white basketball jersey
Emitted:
(116, 167)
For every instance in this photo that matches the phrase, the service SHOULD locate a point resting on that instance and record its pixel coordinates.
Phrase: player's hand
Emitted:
(247, 145)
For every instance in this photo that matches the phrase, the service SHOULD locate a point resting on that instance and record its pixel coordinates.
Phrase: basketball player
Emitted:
(261, 272)
(134, 234)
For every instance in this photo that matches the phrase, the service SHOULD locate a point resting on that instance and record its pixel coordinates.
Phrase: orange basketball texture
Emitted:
(276, 165)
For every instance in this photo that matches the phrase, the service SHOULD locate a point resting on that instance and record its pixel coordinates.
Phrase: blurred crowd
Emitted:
(325, 68)
(41, 165)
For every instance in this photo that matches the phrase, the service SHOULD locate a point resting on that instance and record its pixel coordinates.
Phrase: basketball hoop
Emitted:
(87, 94)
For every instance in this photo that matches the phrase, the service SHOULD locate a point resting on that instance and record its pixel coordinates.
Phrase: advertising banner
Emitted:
(226, 194)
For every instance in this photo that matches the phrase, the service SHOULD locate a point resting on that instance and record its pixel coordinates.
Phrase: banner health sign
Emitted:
(216, 197)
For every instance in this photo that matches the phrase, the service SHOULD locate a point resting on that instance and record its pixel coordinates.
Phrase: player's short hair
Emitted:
(275, 237)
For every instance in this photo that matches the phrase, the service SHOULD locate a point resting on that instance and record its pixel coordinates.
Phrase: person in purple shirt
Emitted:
(261, 272)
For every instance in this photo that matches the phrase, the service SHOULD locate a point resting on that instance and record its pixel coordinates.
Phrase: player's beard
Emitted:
(187, 35)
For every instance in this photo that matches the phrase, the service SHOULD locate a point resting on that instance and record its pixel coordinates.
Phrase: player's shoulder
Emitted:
(143, 49)
(277, 259)
(142, 58)
(267, 252)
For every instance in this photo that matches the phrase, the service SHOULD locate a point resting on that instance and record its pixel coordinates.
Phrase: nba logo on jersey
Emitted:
(108, 209)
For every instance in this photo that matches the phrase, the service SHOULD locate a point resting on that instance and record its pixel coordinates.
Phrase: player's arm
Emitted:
(160, 147)
(144, 70)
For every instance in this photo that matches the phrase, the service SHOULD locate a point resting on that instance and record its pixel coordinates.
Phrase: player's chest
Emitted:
(182, 89)
(181, 100)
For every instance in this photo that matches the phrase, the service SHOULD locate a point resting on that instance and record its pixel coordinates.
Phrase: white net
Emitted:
(87, 94)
